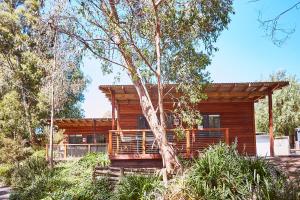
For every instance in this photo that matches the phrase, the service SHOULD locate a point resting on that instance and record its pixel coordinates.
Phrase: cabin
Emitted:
(81, 136)
(228, 115)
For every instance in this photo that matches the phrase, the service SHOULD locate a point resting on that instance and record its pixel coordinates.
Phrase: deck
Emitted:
(128, 147)
(73, 151)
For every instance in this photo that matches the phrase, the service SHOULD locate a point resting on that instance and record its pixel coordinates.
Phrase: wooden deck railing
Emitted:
(140, 144)
(71, 151)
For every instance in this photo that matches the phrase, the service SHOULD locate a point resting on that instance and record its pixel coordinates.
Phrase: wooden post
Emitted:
(118, 143)
(144, 142)
(94, 130)
(65, 151)
(122, 172)
(271, 134)
(89, 148)
(227, 136)
(188, 143)
(110, 143)
(113, 106)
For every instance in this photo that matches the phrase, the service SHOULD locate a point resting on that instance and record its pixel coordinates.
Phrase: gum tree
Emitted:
(159, 42)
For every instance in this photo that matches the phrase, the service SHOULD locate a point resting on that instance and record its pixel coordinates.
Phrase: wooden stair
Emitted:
(115, 173)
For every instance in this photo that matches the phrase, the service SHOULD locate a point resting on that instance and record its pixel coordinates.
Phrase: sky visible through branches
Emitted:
(245, 53)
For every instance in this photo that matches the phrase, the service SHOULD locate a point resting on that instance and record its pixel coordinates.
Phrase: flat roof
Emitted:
(216, 92)
(83, 122)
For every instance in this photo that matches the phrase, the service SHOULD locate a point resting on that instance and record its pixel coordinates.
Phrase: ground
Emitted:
(288, 164)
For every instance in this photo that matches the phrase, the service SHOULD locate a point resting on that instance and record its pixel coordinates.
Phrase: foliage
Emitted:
(25, 70)
(13, 151)
(5, 173)
(69, 180)
(137, 187)
(221, 173)
(139, 37)
(286, 107)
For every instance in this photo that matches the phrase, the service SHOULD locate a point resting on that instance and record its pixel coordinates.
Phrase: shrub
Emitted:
(68, 180)
(5, 173)
(137, 187)
(221, 173)
(12, 151)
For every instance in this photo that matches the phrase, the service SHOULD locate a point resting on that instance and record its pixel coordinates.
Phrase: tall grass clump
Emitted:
(221, 173)
(137, 187)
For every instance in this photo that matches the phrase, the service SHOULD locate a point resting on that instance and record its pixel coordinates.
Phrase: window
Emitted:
(211, 121)
(142, 123)
(90, 139)
(100, 138)
(75, 139)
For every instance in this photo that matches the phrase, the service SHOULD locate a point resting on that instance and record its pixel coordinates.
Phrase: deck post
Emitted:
(89, 148)
(110, 143)
(227, 136)
(118, 144)
(144, 142)
(271, 134)
(65, 152)
(113, 107)
(188, 143)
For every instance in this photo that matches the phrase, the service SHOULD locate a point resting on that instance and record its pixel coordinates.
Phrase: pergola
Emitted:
(84, 122)
(216, 92)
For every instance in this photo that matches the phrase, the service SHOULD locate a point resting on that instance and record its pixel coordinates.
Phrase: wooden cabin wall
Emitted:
(85, 130)
(237, 116)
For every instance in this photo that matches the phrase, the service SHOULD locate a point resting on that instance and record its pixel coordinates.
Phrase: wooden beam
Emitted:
(253, 125)
(110, 143)
(227, 136)
(113, 101)
(94, 130)
(209, 94)
(188, 143)
(271, 134)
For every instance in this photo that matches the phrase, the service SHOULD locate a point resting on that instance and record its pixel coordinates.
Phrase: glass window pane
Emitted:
(75, 139)
(100, 138)
(90, 139)
(214, 121)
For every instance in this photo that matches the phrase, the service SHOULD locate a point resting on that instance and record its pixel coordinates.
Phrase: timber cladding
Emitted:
(238, 117)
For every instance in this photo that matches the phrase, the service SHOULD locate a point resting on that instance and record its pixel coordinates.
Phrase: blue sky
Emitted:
(245, 53)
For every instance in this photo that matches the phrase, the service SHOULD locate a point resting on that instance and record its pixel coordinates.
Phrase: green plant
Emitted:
(5, 173)
(136, 187)
(68, 180)
(221, 173)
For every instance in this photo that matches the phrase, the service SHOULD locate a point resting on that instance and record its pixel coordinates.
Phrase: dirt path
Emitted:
(290, 165)
(4, 192)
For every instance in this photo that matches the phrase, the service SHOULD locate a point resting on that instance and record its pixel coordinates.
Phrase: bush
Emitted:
(5, 173)
(68, 180)
(137, 187)
(221, 173)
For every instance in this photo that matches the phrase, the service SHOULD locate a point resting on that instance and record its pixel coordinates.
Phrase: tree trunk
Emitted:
(169, 157)
(170, 160)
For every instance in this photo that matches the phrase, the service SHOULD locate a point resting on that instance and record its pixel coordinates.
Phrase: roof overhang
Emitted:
(84, 122)
(216, 92)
